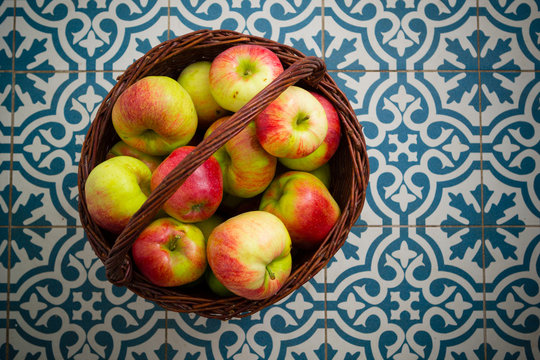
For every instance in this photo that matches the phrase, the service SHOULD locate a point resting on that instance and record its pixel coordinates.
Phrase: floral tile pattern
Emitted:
(444, 261)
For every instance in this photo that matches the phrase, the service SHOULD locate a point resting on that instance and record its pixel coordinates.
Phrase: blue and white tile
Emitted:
(5, 163)
(7, 10)
(296, 23)
(50, 126)
(405, 298)
(423, 145)
(86, 35)
(514, 36)
(290, 329)
(511, 140)
(62, 306)
(374, 35)
(513, 296)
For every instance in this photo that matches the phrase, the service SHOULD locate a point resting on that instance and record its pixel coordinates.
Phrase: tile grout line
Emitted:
(482, 210)
(10, 191)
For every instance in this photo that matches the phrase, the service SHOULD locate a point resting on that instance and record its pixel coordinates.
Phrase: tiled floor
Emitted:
(444, 262)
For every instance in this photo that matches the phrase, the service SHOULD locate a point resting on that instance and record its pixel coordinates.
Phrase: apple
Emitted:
(155, 115)
(305, 206)
(214, 284)
(199, 196)
(323, 174)
(115, 189)
(240, 72)
(246, 167)
(170, 253)
(195, 79)
(329, 145)
(250, 254)
(121, 148)
(292, 126)
(206, 226)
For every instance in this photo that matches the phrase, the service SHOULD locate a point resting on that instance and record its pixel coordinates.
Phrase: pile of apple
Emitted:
(158, 120)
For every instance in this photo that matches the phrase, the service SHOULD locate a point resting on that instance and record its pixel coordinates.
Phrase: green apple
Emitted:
(195, 79)
(323, 174)
(115, 189)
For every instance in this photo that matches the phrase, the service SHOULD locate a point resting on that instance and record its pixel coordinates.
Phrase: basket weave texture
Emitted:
(349, 169)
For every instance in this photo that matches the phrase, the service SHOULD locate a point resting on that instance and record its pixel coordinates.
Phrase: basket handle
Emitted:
(118, 266)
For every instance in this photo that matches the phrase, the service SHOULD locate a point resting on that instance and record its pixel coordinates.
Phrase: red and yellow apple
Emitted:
(292, 126)
(121, 148)
(195, 79)
(199, 196)
(305, 206)
(240, 72)
(170, 253)
(246, 167)
(329, 145)
(155, 115)
(250, 254)
(115, 189)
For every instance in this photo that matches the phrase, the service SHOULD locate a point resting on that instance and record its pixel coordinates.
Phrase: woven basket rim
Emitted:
(353, 145)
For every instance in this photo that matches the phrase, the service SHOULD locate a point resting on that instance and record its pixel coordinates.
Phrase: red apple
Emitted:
(250, 254)
(121, 148)
(305, 206)
(292, 126)
(170, 253)
(155, 115)
(115, 189)
(240, 72)
(246, 167)
(199, 196)
(329, 145)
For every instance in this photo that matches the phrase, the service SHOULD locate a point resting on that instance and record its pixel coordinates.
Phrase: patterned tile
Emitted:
(7, 10)
(423, 145)
(296, 23)
(87, 35)
(50, 124)
(63, 307)
(401, 295)
(513, 296)
(511, 145)
(378, 35)
(418, 277)
(290, 329)
(509, 35)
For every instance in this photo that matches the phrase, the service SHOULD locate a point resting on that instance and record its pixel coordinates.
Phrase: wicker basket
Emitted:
(349, 167)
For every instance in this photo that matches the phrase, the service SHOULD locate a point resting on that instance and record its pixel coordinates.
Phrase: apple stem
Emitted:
(272, 275)
(174, 242)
